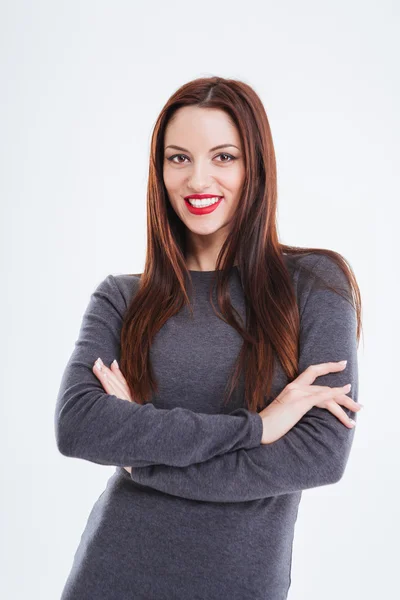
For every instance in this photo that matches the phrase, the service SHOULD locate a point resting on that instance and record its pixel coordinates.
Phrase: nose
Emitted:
(199, 178)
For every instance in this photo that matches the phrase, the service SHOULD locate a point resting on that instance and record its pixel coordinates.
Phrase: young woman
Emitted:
(214, 381)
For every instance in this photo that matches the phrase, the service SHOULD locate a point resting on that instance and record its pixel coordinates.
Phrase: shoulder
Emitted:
(317, 265)
(118, 289)
(317, 271)
(128, 285)
(310, 260)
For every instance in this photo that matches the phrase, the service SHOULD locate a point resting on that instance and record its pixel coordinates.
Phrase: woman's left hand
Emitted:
(113, 382)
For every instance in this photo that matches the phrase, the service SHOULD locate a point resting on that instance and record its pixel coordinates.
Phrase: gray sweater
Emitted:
(208, 512)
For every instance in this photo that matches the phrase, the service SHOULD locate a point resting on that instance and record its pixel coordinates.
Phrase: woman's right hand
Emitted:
(299, 396)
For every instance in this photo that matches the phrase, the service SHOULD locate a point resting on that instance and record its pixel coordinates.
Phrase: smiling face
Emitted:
(193, 165)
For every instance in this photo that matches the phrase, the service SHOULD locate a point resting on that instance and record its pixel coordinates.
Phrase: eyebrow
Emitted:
(211, 150)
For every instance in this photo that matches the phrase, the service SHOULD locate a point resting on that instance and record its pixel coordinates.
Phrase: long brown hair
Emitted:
(272, 323)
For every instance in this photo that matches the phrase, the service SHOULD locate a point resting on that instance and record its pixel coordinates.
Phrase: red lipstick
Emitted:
(195, 210)
(202, 196)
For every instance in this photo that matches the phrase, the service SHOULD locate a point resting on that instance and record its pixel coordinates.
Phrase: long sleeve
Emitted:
(104, 429)
(315, 451)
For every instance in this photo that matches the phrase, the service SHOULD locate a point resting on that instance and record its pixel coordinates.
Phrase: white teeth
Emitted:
(200, 203)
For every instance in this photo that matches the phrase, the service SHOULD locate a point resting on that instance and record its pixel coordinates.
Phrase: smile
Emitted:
(202, 207)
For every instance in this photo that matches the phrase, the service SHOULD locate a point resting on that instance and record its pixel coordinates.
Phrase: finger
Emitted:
(314, 389)
(331, 391)
(108, 379)
(348, 402)
(110, 382)
(308, 376)
(118, 373)
(103, 378)
(120, 389)
(335, 409)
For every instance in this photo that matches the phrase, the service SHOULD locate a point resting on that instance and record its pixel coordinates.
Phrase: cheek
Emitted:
(234, 182)
(172, 179)
(173, 186)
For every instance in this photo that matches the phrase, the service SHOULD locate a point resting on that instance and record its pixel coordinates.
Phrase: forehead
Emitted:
(193, 126)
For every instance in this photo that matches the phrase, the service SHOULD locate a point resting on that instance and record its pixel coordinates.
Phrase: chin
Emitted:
(205, 229)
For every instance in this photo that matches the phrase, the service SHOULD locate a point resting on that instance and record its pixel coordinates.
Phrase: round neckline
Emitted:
(209, 272)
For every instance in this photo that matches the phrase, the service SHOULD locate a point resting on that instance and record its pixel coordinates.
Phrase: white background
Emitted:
(82, 85)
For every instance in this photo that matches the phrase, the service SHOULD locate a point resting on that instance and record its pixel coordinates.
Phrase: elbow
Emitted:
(336, 454)
(337, 475)
(343, 456)
(326, 474)
(63, 440)
(339, 471)
(329, 471)
(337, 468)
(76, 426)
(64, 429)
(70, 423)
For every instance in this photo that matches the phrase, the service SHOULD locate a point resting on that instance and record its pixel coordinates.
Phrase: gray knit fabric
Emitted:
(208, 512)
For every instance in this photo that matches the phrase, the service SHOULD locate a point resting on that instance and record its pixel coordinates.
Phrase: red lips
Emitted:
(205, 210)
(202, 196)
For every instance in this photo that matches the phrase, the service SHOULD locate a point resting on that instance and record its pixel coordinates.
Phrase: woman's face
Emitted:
(192, 165)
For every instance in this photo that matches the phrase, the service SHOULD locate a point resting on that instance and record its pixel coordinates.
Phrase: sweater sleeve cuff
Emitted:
(257, 430)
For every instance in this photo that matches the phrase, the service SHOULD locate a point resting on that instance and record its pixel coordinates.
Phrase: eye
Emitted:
(228, 155)
(171, 158)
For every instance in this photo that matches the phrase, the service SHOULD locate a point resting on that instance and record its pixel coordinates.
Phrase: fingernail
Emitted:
(343, 362)
(116, 363)
(352, 421)
(361, 405)
(99, 364)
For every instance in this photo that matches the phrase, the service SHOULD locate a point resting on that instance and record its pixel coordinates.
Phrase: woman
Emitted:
(209, 476)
